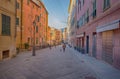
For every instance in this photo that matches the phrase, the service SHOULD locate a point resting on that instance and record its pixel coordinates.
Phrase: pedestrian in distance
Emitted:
(63, 46)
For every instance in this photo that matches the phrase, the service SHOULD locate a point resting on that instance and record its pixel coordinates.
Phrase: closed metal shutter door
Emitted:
(107, 46)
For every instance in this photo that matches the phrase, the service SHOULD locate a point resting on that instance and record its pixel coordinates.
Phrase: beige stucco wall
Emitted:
(8, 42)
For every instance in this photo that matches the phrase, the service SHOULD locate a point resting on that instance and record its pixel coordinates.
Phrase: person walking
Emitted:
(63, 46)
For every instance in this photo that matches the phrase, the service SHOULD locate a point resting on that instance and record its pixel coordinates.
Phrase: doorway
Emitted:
(107, 46)
(87, 44)
(94, 46)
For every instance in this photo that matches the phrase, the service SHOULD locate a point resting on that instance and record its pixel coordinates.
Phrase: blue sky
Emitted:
(58, 12)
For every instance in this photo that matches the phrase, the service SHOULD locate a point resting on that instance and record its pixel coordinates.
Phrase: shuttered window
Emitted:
(94, 9)
(17, 21)
(106, 4)
(5, 25)
(36, 29)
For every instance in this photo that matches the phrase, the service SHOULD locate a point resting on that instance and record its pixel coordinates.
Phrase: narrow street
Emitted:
(55, 64)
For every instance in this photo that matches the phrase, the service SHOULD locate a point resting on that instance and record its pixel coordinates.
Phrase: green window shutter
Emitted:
(6, 25)
(17, 21)
(94, 9)
(106, 4)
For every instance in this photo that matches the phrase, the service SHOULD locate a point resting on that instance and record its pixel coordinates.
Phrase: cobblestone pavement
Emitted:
(47, 64)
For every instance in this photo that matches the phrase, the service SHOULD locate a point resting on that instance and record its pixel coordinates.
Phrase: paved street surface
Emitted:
(55, 64)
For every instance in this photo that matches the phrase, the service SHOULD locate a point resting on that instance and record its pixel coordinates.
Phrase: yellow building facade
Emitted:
(7, 29)
(52, 40)
(48, 34)
(18, 24)
(65, 35)
(57, 36)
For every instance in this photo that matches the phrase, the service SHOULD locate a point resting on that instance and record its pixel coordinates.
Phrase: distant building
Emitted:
(57, 36)
(65, 35)
(48, 35)
(52, 39)
(97, 29)
(7, 28)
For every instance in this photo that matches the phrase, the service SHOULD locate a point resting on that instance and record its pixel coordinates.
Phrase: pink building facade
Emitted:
(98, 29)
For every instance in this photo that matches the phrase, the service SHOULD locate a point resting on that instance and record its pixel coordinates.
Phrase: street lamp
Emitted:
(34, 25)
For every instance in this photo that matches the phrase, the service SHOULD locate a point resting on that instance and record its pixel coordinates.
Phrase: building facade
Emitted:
(33, 23)
(53, 38)
(72, 22)
(18, 24)
(48, 35)
(98, 29)
(57, 36)
(7, 29)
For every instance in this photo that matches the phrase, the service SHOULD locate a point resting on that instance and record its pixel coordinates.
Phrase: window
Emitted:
(77, 24)
(5, 25)
(80, 22)
(33, 6)
(79, 5)
(17, 5)
(94, 9)
(106, 4)
(83, 2)
(28, 40)
(28, 2)
(36, 29)
(40, 24)
(36, 40)
(37, 8)
(17, 21)
(38, 18)
(5, 54)
(40, 7)
(40, 15)
(87, 14)
(83, 19)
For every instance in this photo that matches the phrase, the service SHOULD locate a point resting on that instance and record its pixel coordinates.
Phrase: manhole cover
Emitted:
(90, 77)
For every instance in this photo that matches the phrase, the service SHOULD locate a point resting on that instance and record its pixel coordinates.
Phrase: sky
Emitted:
(58, 12)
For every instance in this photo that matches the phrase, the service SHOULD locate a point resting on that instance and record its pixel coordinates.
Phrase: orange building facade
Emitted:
(34, 23)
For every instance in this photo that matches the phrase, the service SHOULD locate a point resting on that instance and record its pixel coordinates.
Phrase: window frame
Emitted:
(37, 40)
(36, 29)
(94, 13)
(28, 2)
(6, 23)
(106, 5)
(17, 21)
(17, 5)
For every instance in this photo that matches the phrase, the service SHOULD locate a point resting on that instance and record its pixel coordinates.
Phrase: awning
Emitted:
(111, 26)
(80, 35)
